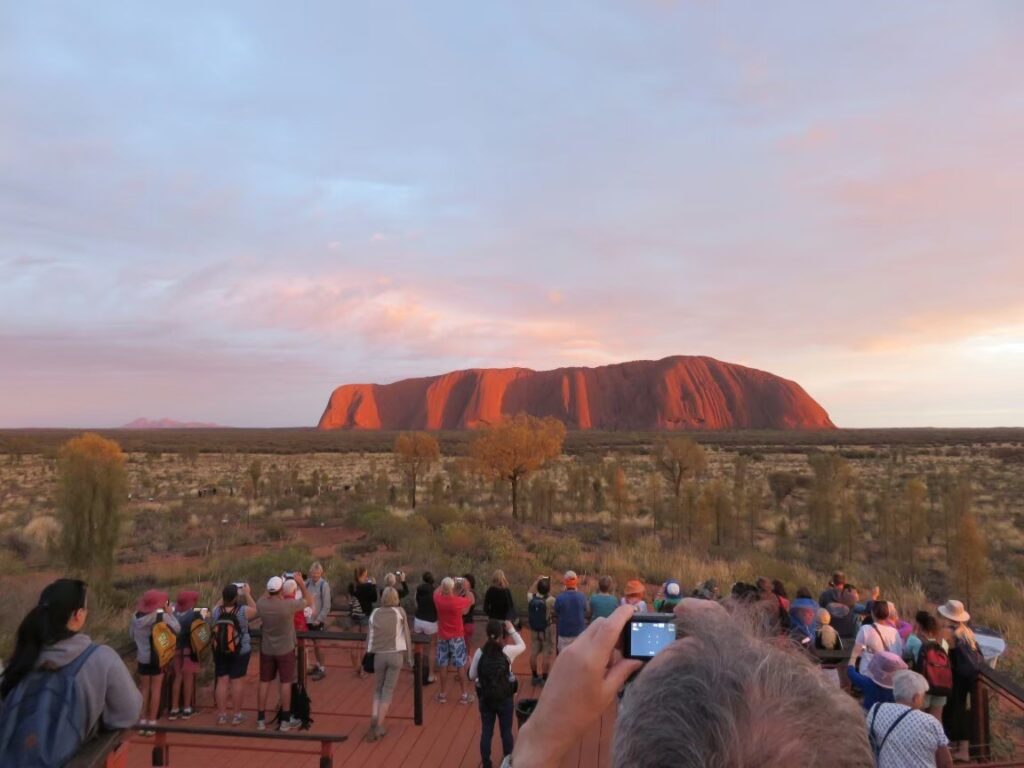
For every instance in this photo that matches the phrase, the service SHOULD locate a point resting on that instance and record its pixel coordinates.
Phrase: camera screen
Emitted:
(647, 638)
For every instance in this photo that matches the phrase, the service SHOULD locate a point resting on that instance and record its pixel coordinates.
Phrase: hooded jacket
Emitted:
(104, 686)
(142, 629)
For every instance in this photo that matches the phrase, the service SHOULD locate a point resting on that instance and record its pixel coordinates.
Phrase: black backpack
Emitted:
(967, 662)
(493, 679)
(301, 707)
(537, 613)
(227, 633)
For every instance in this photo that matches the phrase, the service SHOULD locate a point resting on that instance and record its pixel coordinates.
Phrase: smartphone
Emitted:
(647, 634)
(289, 574)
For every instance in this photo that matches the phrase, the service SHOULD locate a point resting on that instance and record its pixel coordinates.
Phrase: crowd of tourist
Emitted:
(705, 700)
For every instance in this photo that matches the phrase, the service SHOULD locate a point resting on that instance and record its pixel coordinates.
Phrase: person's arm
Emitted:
(518, 645)
(943, 759)
(474, 664)
(580, 688)
(325, 609)
(488, 601)
(122, 701)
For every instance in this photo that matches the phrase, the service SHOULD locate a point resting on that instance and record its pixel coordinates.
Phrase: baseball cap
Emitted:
(275, 584)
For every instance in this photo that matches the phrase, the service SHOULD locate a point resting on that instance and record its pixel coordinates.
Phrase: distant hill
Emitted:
(166, 423)
(676, 393)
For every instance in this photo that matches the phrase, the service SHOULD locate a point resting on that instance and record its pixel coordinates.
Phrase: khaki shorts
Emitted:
(542, 642)
(565, 642)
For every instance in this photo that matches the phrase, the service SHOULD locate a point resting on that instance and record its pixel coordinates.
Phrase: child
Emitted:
(151, 608)
(827, 638)
(634, 596)
(185, 665)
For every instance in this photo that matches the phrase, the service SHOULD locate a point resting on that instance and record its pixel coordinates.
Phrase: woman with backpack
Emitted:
(362, 594)
(966, 661)
(155, 632)
(496, 684)
(927, 652)
(186, 664)
(498, 602)
(49, 642)
(390, 642)
(232, 648)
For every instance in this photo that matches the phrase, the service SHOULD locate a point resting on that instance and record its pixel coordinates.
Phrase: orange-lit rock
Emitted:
(674, 393)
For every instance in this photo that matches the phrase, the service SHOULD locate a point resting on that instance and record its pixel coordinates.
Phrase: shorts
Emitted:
(282, 666)
(421, 627)
(468, 630)
(543, 642)
(451, 653)
(233, 666)
(151, 669)
(183, 662)
(931, 702)
(565, 642)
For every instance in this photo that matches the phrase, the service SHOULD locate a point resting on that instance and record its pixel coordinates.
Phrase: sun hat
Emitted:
(672, 588)
(274, 584)
(186, 601)
(570, 580)
(954, 611)
(883, 666)
(634, 588)
(151, 600)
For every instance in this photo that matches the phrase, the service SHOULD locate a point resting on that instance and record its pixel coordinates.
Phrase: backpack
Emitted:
(41, 722)
(227, 634)
(493, 679)
(200, 636)
(301, 707)
(967, 663)
(163, 643)
(537, 613)
(933, 664)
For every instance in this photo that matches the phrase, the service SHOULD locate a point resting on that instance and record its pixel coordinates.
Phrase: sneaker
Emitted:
(371, 734)
(317, 674)
(238, 719)
(222, 719)
(261, 725)
(441, 698)
(290, 724)
(172, 715)
(186, 713)
(466, 698)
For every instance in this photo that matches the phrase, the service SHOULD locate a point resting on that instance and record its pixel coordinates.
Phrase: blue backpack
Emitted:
(537, 613)
(41, 723)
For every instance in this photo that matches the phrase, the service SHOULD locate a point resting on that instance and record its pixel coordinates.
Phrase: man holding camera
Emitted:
(277, 647)
(321, 591)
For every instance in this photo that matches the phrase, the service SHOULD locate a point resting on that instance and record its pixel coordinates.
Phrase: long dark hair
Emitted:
(44, 625)
(495, 637)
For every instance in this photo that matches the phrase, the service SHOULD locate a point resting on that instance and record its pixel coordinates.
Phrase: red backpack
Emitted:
(933, 664)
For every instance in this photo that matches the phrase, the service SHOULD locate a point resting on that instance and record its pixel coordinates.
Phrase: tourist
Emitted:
(901, 736)
(803, 618)
(232, 649)
(321, 591)
(691, 705)
(826, 638)
(496, 684)
(779, 589)
(425, 619)
(708, 590)
(153, 607)
(928, 653)
(966, 661)
(467, 588)
(451, 645)
(834, 592)
(186, 665)
(570, 612)
(50, 637)
(876, 680)
(540, 611)
(277, 649)
(362, 594)
(877, 636)
(633, 595)
(668, 597)
(845, 619)
(390, 643)
(498, 603)
(397, 581)
(301, 618)
(603, 603)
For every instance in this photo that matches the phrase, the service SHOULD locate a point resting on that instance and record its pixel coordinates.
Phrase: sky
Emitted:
(221, 211)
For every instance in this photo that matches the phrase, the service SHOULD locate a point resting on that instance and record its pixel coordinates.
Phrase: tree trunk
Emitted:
(514, 480)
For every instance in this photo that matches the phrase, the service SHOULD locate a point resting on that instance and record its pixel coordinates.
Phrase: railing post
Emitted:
(161, 751)
(417, 685)
(326, 755)
(302, 661)
(981, 736)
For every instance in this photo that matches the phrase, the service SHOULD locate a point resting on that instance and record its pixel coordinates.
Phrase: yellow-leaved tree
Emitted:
(92, 482)
(516, 447)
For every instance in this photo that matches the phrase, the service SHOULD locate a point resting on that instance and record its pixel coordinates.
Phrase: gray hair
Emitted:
(906, 684)
(316, 567)
(724, 696)
(447, 585)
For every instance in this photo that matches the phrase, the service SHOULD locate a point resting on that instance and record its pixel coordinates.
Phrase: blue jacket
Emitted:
(873, 693)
